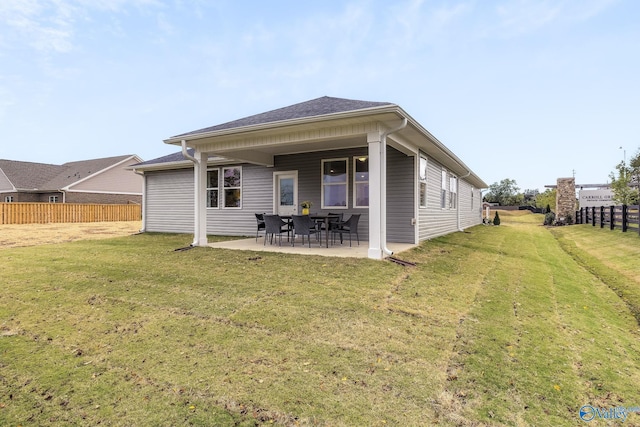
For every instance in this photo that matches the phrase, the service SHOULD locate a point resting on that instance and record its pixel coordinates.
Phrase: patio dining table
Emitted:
(317, 217)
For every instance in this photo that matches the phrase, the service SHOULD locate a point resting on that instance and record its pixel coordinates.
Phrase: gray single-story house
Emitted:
(344, 156)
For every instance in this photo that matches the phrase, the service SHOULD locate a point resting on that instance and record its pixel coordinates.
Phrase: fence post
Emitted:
(601, 216)
(593, 216)
(612, 217)
(624, 218)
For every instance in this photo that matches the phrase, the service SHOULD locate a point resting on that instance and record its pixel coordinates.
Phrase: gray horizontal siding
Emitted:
(470, 207)
(434, 220)
(401, 182)
(169, 201)
(257, 197)
(169, 204)
(309, 167)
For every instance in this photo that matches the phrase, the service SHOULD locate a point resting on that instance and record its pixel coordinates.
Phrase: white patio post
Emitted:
(200, 199)
(374, 140)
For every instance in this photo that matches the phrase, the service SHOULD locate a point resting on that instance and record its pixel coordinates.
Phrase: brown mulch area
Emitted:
(41, 234)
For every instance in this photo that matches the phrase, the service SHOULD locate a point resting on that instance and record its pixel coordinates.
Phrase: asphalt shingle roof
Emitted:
(44, 177)
(28, 175)
(313, 108)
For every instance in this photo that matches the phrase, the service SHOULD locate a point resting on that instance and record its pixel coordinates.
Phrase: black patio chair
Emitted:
(303, 226)
(349, 226)
(274, 225)
(260, 223)
(334, 220)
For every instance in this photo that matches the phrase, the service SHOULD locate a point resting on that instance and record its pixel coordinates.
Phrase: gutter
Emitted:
(383, 185)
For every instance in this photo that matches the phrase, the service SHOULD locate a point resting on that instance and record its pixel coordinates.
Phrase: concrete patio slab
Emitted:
(337, 250)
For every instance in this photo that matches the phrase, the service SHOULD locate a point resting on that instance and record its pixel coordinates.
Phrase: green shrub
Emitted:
(496, 219)
(549, 218)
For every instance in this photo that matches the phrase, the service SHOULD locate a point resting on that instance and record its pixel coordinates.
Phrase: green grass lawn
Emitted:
(510, 325)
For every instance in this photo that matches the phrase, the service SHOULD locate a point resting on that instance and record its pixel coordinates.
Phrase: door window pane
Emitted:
(286, 191)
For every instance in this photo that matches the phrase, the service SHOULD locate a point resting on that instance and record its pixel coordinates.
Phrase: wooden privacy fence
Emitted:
(43, 213)
(612, 217)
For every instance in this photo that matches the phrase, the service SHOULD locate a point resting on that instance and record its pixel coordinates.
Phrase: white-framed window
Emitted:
(213, 187)
(422, 181)
(53, 199)
(8, 199)
(472, 197)
(443, 191)
(361, 182)
(232, 182)
(335, 179)
(453, 192)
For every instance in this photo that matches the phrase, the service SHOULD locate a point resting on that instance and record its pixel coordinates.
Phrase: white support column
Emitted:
(374, 141)
(200, 199)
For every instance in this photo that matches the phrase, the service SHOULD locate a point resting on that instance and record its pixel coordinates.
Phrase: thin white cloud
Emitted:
(526, 16)
(51, 26)
(43, 25)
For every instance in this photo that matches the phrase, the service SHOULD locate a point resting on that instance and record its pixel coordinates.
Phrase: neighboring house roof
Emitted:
(29, 176)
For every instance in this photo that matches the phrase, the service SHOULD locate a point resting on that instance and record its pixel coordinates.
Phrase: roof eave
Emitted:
(176, 140)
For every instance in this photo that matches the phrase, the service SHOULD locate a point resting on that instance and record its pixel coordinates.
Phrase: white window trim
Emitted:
(8, 199)
(444, 184)
(231, 188)
(423, 181)
(473, 196)
(453, 195)
(346, 184)
(211, 188)
(53, 199)
(355, 182)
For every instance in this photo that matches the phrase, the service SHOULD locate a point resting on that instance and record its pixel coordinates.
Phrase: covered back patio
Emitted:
(337, 250)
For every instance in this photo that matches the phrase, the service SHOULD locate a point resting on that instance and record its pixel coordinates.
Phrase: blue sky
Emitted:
(520, 89)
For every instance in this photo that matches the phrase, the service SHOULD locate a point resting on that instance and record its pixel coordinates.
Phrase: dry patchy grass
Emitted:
(19, 235)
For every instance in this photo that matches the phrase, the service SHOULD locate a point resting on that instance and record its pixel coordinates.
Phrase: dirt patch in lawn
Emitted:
(41, 234)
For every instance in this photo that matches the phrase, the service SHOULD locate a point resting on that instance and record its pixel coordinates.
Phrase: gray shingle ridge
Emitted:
(312, 108)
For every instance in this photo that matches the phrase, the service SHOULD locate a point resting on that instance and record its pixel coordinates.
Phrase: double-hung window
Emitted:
(423, 181)
(53, 199)
(443, 191)
(213, 184)
(453, 192)
(8, 199)
(472, 197)
(232, 178)
(361, 182)
(335, 178)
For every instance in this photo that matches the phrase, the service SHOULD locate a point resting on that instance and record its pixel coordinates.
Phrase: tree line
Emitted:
(507, 193)
(625, 184)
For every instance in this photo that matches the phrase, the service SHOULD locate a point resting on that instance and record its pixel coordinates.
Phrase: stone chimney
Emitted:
(566, 199)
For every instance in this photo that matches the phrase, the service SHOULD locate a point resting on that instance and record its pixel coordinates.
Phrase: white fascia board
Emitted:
(176, 140)
(104, 192)
(183, 164)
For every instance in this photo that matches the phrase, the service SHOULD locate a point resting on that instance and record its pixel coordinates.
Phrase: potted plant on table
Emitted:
(306, 205)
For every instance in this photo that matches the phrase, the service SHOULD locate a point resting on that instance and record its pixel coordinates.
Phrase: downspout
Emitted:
(383, 185)
(186, 154)
(458, 199)
(144, 199)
